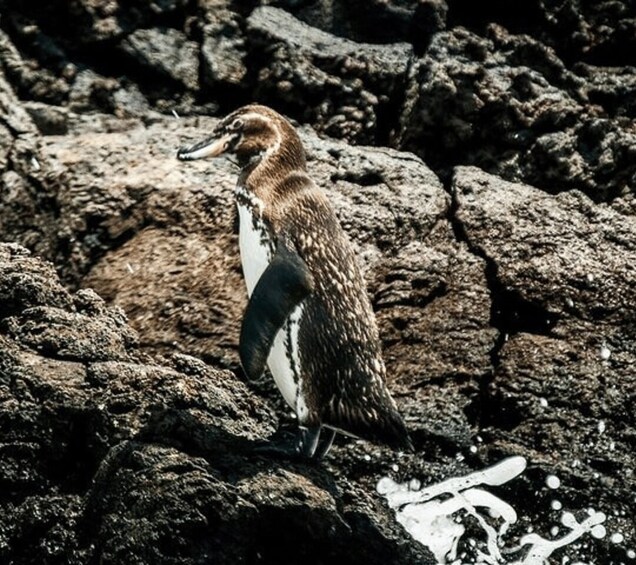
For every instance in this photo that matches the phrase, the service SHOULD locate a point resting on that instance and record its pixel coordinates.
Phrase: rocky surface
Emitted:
(504, 305)
(110, 457)
(541, 93)
(345, 89)
(514, 108)
(562, 379)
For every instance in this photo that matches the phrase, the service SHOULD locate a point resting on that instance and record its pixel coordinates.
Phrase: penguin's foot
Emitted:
(304, 444)
(324, 444)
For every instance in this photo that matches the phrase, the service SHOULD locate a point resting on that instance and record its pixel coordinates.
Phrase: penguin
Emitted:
(309, 318)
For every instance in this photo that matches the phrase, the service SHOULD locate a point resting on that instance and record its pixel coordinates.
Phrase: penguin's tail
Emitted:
(393, 432)
(383, 425)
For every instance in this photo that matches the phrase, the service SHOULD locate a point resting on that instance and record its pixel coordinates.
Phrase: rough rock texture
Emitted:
(348, 89)
(562, 387)
(223, 50)
(167, 52)
(508, 103)
(109, 457)
(561, 254)
(541, 93)
(504, 308)
(374, 21)
(29, 189)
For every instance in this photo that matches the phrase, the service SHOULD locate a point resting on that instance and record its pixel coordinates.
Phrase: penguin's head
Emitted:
(251, 133)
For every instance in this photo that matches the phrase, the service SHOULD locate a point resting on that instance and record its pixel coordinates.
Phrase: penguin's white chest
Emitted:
(255, 246)
(283, 361)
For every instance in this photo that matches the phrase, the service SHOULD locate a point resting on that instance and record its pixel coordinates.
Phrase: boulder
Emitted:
(345, 89)
(509, 105)
(563, 276)
(223, 50)
(28, 183)
(165, 51)
(377, 21)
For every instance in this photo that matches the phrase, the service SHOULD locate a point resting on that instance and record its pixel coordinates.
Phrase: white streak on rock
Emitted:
(541, 548)
(498, 474)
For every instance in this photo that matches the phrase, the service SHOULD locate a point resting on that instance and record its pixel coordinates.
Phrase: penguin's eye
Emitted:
(236, 124)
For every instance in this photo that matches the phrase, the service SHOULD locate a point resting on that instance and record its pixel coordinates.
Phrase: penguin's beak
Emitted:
(211, 147)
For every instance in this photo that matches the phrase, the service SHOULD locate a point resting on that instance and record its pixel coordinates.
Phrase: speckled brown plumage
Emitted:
(343, 374)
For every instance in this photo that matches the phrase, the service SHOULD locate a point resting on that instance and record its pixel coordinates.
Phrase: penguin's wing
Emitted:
(282, 286)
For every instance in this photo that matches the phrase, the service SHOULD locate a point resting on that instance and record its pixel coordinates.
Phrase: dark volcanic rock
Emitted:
(183, 485)
(562, 387)
(505, 313)
(50, 120)
(73, 335)
(433, 304)
(118, 96)
(594, 32)
(38, 313)
(92, 21)
(29, 78)
(26, 284)
(42, 529)
(28, 183)
(613, 88)
(260, 514)
(508, 105)
(143, 230)
(167, 52)
(531, 108)
(345, 89)
(223, 51)
(375, 21)
(562, 254)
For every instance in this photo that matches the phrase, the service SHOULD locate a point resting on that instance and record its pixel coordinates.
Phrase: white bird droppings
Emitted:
(437, 523)
(541, 549)
(617, 538)
(553, 481)
(386, 485)
(438, 516)
(598, 531)
(415, 484)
